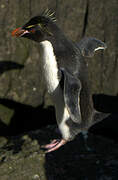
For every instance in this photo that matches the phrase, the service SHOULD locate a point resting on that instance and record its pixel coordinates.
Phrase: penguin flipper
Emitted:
(89, 45)
(72, 88)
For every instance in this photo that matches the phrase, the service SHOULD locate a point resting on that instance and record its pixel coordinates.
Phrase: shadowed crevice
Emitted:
(9, 65)
(85, 19)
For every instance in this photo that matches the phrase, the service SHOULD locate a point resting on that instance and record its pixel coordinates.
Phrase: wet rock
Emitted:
(22, 158)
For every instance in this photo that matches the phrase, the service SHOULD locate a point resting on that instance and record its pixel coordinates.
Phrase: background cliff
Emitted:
(21, 83)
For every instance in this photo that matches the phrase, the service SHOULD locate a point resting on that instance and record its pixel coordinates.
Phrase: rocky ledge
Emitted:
(21, 158)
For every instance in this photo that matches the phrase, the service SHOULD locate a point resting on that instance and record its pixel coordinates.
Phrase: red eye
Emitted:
(32, 31)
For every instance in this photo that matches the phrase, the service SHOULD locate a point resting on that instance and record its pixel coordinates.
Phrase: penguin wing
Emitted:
(88, 46)
(72, 88)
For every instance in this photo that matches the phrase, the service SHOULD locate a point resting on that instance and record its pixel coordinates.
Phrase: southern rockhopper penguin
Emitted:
(66, 75)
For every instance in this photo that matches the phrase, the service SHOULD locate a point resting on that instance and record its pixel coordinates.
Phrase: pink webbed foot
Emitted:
(54, 145)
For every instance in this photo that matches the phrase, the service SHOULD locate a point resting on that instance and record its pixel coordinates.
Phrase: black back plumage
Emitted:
(70, 58)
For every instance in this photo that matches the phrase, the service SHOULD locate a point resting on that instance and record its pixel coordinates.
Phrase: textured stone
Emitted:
(22, 82)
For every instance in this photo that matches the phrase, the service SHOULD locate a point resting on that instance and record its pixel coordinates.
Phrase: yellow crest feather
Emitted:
(48, 13)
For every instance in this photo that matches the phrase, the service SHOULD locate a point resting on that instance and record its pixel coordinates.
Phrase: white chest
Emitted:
(50, 72)
(49, 66)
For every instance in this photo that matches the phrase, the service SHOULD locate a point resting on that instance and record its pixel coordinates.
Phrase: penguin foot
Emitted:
(85, 138)
(54, 145)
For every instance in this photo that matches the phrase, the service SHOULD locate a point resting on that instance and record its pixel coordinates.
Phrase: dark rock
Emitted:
(22, 158)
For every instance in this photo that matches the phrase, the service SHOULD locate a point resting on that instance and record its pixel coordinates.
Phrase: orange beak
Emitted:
(19, 32)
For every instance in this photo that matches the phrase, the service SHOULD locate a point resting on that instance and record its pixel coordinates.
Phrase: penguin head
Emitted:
(38, 28)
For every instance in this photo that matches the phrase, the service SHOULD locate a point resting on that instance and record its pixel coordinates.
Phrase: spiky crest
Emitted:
(49, 14)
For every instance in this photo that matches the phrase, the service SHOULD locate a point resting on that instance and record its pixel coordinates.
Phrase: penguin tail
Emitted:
(98, 116)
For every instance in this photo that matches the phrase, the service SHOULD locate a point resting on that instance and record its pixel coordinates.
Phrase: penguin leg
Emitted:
(85, 137)
(62, 116)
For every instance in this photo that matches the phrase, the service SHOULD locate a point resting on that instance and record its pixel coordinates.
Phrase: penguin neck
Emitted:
(63, 47)
(49, 66)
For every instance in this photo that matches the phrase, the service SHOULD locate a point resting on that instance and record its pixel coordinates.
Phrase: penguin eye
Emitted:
(32, 30)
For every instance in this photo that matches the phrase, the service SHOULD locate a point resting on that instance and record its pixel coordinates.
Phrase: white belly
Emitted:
(50, 68)
(50, 71)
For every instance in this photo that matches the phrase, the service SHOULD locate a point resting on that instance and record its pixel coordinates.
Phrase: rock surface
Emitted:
(21, 158)
(20, 72)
